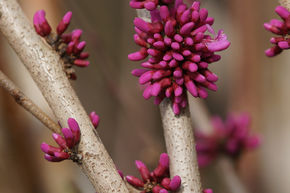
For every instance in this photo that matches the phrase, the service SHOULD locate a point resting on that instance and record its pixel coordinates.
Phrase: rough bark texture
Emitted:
(45, 66)
(181, 147)
(27, 104)
(285, 3)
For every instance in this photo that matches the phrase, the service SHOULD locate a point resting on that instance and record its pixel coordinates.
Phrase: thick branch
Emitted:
(285, 3)
(180, 146)
(45, 67)
(27, 104)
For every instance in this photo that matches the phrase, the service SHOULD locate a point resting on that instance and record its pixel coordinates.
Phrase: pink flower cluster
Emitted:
(281, 28)
(150, 5)
(230, 138)
(180, 52)
(67, 143)
(69, 46)
(158, 180)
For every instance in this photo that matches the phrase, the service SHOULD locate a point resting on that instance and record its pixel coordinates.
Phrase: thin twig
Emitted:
(200, 115)
(225, 166)
(45, 67)
(27, 104)
(285, 3)
(180, 146)
(227, 172)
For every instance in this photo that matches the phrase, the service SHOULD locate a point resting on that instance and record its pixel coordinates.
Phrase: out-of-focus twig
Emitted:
(27, 104)
(227, 172)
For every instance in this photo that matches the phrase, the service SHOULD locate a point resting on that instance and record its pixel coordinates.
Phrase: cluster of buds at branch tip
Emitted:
(230, 138)
(179, 53)
(95, 119)
(67, 144)
(150, 5)
(157, 181)
(281, 28)
(69, 46)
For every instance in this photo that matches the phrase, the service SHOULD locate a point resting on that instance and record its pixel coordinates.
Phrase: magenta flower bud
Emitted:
(49, 149)
(136, 4)
(40, 23)
(52, 158)
(156, 189)
(207, 191)
(163, 191)
(282, 12)
(76, 34)
(273, 51)
(136, 182)
(95, 119)
(140, 55)
(121, 174)
(69, 137)
(191, 88)
(163, 165)
(81, 63)
(74, 127)
(147, 92)
(61, 155)
(175, 183)
(64, 23)
(203, 13)
(80, 47)
(165, 183)
(143, 170)
(84, 55)
(187, 28)
(59, 140)
(284, 45)
(150, 6)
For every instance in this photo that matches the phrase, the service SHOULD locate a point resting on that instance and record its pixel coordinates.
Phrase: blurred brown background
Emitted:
(130, 126)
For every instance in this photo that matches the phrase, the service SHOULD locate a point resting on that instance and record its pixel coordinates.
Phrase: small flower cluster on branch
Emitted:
(157, 181)
(281, 28)
(180, 52)
(69, 46)
(231, 138)
(66, 143)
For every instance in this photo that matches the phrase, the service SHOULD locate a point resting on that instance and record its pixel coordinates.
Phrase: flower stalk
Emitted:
(26, 103)
(180, 146)
(45, 67)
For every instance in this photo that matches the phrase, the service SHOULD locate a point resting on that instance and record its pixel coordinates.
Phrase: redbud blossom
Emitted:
(158, 180)
(281, 28)
(179, 52)
(95, 119)
(69, 46)
(66, 143)
(40, 23)
(231, 138)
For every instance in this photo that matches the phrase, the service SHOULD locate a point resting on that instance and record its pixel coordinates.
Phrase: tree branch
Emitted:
(45, 67)
(227, 172)
(285, 3)
(180, 146)
(27, 104)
